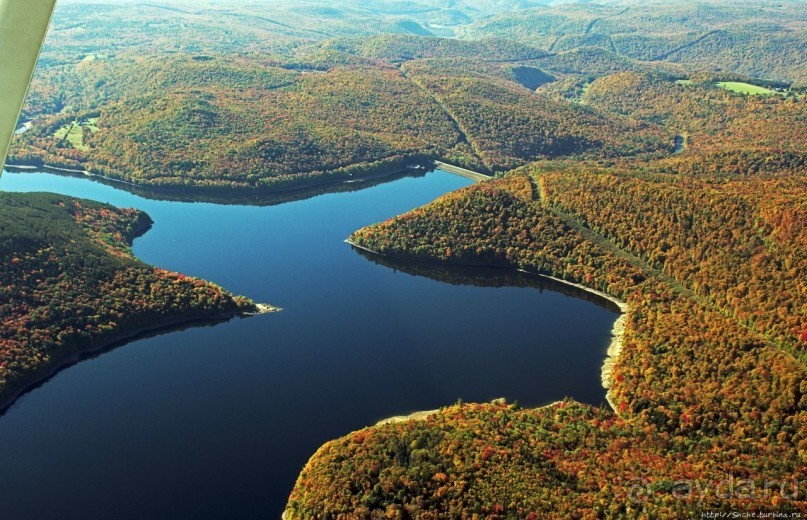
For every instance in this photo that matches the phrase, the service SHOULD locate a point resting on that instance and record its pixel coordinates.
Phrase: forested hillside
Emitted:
(227, 133)
(653, 151)
(758, 39)
(709, 384)
(70, 284)
(297, 99)
(711, 118)
(249, 126)
(239, 125)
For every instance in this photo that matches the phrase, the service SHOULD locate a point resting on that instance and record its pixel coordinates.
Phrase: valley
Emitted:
(594, 211)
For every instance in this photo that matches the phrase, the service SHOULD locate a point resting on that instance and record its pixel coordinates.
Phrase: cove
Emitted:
(216, 422)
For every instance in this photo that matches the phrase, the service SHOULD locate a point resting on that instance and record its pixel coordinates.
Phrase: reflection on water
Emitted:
(216, 422)
(90, 355)
(229, 197)
(482, 276)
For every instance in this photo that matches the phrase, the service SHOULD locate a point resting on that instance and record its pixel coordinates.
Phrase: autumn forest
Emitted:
(652, 152)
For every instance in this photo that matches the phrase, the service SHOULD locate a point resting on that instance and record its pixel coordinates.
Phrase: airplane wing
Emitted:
(23, 25)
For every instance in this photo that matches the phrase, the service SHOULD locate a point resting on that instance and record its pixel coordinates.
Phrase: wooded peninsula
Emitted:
(653, 152)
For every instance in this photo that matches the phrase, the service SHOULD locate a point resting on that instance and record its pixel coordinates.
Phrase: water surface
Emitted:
(216, 422)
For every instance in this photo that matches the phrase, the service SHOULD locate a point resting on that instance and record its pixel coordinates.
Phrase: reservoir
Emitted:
(217, 421)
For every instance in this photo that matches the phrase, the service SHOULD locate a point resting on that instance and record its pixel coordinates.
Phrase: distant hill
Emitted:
(339, 108)
(759, 40)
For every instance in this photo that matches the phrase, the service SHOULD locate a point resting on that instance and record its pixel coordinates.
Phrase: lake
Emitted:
(216, 422)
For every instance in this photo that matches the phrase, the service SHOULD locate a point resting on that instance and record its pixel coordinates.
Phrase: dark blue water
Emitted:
(216, 422)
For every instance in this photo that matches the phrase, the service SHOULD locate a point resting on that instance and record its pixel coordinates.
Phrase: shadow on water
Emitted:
(217, 423)
(42, 378)
(477, 276)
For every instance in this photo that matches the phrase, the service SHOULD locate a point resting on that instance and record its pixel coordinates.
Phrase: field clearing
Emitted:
(74, 132)
(95, 56)
(745, 88)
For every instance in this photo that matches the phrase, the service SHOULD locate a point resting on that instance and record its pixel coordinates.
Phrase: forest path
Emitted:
(458, 126)
(608, 245)
(677, 285)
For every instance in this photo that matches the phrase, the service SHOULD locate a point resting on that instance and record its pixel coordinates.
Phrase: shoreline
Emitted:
(614, 349)
(39, 377)
(415, 416)
(224, 195)
(422, 416)
(617, 336)
(612, 353)
(262, 308)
